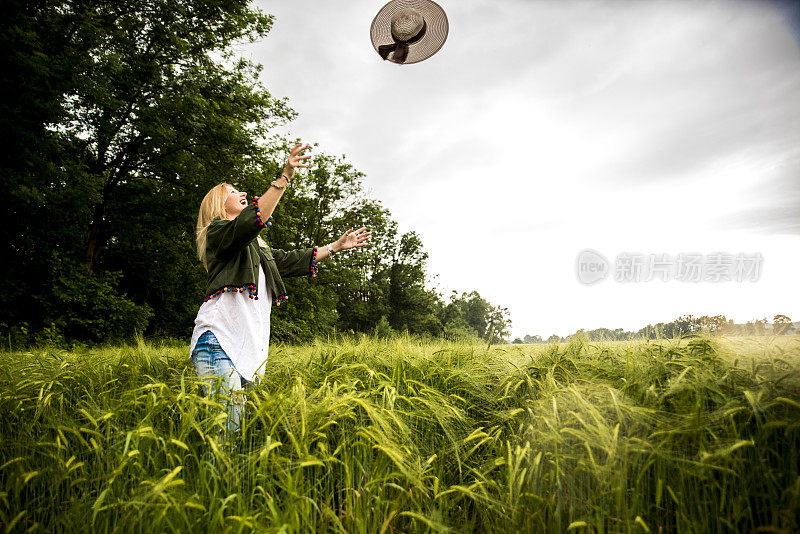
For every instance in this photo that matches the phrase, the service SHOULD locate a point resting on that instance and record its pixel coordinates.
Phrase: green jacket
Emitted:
(233, 256)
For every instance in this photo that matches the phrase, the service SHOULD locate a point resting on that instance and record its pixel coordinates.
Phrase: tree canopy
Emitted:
(119, 117)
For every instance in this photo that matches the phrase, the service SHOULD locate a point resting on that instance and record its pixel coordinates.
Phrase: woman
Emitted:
(230, 340)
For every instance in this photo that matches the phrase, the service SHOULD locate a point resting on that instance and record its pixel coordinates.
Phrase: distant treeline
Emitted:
(683, 325)
(118, 118)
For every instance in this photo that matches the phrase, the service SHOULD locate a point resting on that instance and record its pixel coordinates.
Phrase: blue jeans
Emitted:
(218, 373)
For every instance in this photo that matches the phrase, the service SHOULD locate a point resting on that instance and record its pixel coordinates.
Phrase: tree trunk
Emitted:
(96, 240)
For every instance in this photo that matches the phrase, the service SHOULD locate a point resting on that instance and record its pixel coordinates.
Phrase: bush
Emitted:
(17, 336)
(382, 329)
(88, 306)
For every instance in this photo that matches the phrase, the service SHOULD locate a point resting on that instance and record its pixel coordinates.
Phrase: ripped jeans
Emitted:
(216, 368)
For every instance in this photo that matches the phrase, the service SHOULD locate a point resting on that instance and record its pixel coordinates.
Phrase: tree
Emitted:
(499, 324)
(137, 108)
(712, 324)
(474, 310)
(469, 315)
(412, 306)
(119, 117)
(782, 324)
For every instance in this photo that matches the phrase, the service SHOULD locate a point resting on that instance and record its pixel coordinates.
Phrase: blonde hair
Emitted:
(213, 205)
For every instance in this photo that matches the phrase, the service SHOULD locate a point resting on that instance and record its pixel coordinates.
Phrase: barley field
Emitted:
(699, 435)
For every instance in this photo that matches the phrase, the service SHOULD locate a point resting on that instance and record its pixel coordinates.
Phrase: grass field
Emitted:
(366, 435)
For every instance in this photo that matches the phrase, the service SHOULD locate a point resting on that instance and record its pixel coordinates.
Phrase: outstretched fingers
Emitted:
(298, 148)
(357, 238)
(295, 157)
(362, 238)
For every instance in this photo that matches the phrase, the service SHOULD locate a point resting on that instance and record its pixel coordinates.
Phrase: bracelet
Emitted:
(330, 250)
(258, 215)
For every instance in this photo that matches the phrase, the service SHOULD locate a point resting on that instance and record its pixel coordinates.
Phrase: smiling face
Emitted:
(235, 202)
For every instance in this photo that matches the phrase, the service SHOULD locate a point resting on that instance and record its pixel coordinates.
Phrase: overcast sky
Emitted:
(541, 129)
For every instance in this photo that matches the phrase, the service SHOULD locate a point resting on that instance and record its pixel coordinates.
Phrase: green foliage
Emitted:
(682, 326)
(782, 324)
(457, 329)
(383, 329)
(470, 315)
(119, 117)
(358, 289)
(696, 435)
(88, 305)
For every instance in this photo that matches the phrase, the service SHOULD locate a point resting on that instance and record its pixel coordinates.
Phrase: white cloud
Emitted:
(543, 128)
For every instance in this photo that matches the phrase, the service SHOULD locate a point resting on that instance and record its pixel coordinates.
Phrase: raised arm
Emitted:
(268, 201)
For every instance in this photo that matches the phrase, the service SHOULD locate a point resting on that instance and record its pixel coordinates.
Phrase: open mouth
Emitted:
(243, 202)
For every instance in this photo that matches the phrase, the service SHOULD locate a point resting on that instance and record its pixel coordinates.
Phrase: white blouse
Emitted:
(241, 325)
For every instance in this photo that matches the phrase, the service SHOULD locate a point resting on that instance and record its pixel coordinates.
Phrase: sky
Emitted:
(545, 128)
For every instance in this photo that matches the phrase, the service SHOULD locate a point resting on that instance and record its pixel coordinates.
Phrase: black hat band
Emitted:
(400, 48)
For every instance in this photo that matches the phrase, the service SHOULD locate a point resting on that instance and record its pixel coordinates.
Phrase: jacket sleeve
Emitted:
(295, 262)
(227, 236)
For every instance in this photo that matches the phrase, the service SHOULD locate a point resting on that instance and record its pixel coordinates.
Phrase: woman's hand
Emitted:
(295, 160)
(351, 239)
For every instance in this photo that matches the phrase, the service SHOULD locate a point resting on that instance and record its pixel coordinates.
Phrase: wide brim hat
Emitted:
(409, 31)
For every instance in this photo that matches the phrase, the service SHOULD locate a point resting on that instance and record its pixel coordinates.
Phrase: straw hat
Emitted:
(409, 31)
